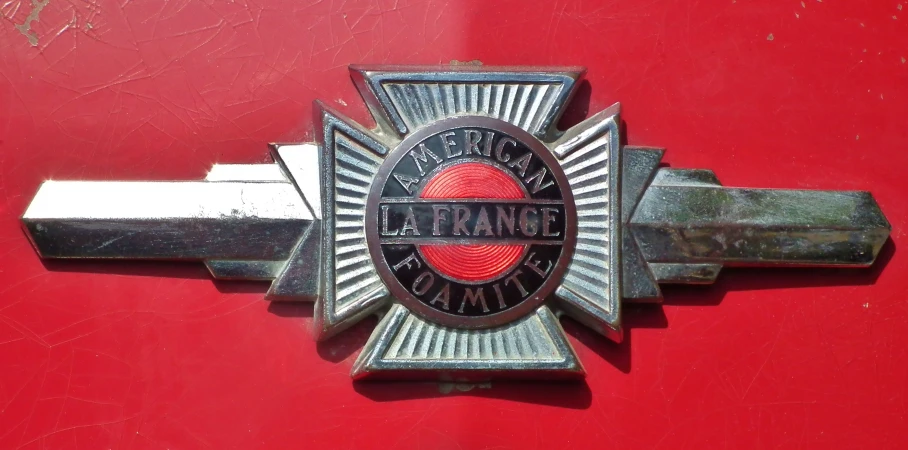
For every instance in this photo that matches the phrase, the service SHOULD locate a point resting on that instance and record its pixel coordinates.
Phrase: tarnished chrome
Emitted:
(638, 167)
(230, 269)
(686, 216)
(304, 222)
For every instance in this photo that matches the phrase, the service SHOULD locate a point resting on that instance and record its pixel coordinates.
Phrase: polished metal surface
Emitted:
(591, 159)
(299, 278)
(303, 223)
(349, 160)
(166, 220)
(405, 346)
(404, 98)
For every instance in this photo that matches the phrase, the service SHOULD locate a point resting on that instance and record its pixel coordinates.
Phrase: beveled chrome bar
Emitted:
(166, 220)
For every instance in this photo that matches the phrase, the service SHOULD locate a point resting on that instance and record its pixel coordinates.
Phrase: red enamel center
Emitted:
(472, 263)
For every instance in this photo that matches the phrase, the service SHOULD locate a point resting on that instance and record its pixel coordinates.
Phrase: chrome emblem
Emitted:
(465, 220)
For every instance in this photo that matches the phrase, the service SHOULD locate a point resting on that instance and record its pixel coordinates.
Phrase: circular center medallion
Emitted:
(470, 222)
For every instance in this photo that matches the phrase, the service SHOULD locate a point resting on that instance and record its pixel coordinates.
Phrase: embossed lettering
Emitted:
(536, 178)
(499, 149)
(501, 303)
(443, 297)
(547, 220)
(429, 279)
(422, 153)
(406, 181)
(482, 224)
(384, 222)
(461, 216)
(487, 144)
(473, 297)
(409, 228)
(521, 164)
(450, 145)
(513, 279)
(438, 218)
(505, 219)
(527, 224)
(407, 261)
(534, 266)
(471, 141)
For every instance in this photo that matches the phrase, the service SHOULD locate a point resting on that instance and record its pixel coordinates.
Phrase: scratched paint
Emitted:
(26, 27)
(156, 355)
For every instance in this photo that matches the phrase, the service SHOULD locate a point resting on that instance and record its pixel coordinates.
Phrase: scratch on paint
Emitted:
(26, 27)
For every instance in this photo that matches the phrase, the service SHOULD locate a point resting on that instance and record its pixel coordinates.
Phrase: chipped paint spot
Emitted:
(770, 37)
(903, 60)
(857, 138)
(26, 27)
(341, 102)
(866, 305)
(797, 16)
(803, 5)
(447, 387)
(474, 62)
(899, 7)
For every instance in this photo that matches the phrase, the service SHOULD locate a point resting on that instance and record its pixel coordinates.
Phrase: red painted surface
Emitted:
(157, 355)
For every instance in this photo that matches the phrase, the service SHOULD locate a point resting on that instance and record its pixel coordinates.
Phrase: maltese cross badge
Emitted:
(466, 220)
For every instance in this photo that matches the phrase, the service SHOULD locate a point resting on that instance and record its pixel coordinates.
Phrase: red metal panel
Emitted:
(154, 355)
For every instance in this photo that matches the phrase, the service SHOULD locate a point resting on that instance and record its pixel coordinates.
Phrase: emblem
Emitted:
(465, 220)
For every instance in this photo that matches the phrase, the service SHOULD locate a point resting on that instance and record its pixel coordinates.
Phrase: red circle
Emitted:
(472, 262)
